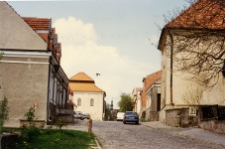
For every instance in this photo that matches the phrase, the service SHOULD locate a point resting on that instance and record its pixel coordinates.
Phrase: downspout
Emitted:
(171, 67)
(48, 99)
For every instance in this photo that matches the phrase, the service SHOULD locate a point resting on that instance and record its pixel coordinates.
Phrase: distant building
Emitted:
(87, 96)
(136, 95)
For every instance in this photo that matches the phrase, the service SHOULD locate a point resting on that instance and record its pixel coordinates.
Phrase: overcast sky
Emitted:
(110, 37)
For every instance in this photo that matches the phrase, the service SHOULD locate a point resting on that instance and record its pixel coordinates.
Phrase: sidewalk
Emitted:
(191, 131)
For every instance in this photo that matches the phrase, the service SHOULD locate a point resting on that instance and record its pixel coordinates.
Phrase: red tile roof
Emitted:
(38, 23)
(208, 14)
(148, 81)
(204, 14)
(152, 78)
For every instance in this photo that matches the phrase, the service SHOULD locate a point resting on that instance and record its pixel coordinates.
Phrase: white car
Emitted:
(120, 116)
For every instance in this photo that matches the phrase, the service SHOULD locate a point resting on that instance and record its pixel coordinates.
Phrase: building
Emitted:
(153, 96)
(136, 95)
(87, 96)
(202, 16)
(31, 75)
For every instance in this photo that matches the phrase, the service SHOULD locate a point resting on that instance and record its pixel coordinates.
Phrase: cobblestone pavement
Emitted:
(116, 135)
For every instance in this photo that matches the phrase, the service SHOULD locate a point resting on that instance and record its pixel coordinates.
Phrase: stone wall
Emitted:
(180, 118)
(154, 116)
(151, 115)
(213, 125)
(173, 117)
(37, 123)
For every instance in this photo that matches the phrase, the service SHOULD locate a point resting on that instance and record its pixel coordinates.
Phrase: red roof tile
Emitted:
(148, 81)
(38, 23)
(204, 14)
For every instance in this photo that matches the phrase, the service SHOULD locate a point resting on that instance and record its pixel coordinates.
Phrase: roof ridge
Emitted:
(81, 76)
(202, 16)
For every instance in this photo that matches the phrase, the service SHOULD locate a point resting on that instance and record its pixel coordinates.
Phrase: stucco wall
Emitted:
(95, 111)
(181, 82)
(16, 33)
(23, 85)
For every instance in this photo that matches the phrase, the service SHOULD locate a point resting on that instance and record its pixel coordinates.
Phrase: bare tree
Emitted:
(197, 40)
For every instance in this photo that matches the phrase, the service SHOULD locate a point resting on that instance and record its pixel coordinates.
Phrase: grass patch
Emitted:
(34, 138)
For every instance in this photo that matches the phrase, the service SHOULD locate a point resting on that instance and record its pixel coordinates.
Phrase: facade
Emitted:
(174, 84)
(136, 94)
(87, 96)
(30, 69)
(153, 96)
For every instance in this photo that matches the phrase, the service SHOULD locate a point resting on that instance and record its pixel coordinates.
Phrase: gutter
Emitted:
(171, 67)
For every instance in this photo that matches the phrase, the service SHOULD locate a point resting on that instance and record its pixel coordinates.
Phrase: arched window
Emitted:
(91, 102)
(78, 102)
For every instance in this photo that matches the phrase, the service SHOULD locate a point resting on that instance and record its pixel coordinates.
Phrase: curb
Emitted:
(97, 143)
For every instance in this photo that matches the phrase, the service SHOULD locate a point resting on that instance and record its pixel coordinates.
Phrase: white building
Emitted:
(175, 84)
(87, 96)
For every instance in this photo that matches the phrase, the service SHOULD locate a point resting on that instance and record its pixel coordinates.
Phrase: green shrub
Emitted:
(28, 134)
(30, 114)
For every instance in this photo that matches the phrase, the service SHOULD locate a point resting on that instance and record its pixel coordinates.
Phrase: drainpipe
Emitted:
(171, 67)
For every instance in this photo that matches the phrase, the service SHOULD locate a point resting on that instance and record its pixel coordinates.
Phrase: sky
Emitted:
(116, 38)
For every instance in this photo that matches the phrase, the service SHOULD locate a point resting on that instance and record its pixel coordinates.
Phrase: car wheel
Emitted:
(124, 122)
(137, 123)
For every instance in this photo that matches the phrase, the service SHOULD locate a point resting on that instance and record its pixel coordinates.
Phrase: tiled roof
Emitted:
(82, 82)
(81, 77)
(152, 78)
(204, 14)
(148, 81)
(88, 87)
(38, 23)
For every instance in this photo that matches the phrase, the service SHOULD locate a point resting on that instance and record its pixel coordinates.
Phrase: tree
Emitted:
(107, 112)
(4, 112)
(197, 41)
(193, 95)
(125, 103)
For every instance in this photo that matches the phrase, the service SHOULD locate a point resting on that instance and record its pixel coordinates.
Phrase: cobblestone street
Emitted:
(116, 135)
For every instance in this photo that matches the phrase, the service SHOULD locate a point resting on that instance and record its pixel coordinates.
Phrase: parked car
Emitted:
(119, 116)
(86, 115)
(78, 115)
(131, 116)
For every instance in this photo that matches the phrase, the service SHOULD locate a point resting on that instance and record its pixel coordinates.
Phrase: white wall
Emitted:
(95, 111)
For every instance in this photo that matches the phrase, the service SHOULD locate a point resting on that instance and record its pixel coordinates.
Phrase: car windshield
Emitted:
(130, 113)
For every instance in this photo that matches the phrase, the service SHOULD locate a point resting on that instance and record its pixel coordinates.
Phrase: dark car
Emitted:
(78, 115)
(86, 115)
(131, 116)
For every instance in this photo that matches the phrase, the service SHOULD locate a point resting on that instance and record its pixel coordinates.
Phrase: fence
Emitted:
(8, 141)
(212, 112)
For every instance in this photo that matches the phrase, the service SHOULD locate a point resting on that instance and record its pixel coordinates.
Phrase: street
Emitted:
(116, 135)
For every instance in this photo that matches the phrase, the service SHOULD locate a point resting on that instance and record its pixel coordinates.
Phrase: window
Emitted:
(78, 102)
(92, 102)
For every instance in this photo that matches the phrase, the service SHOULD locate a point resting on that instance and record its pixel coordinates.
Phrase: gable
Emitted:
(81, 77)
(16, 33)
(203, 15)
(151, 79)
